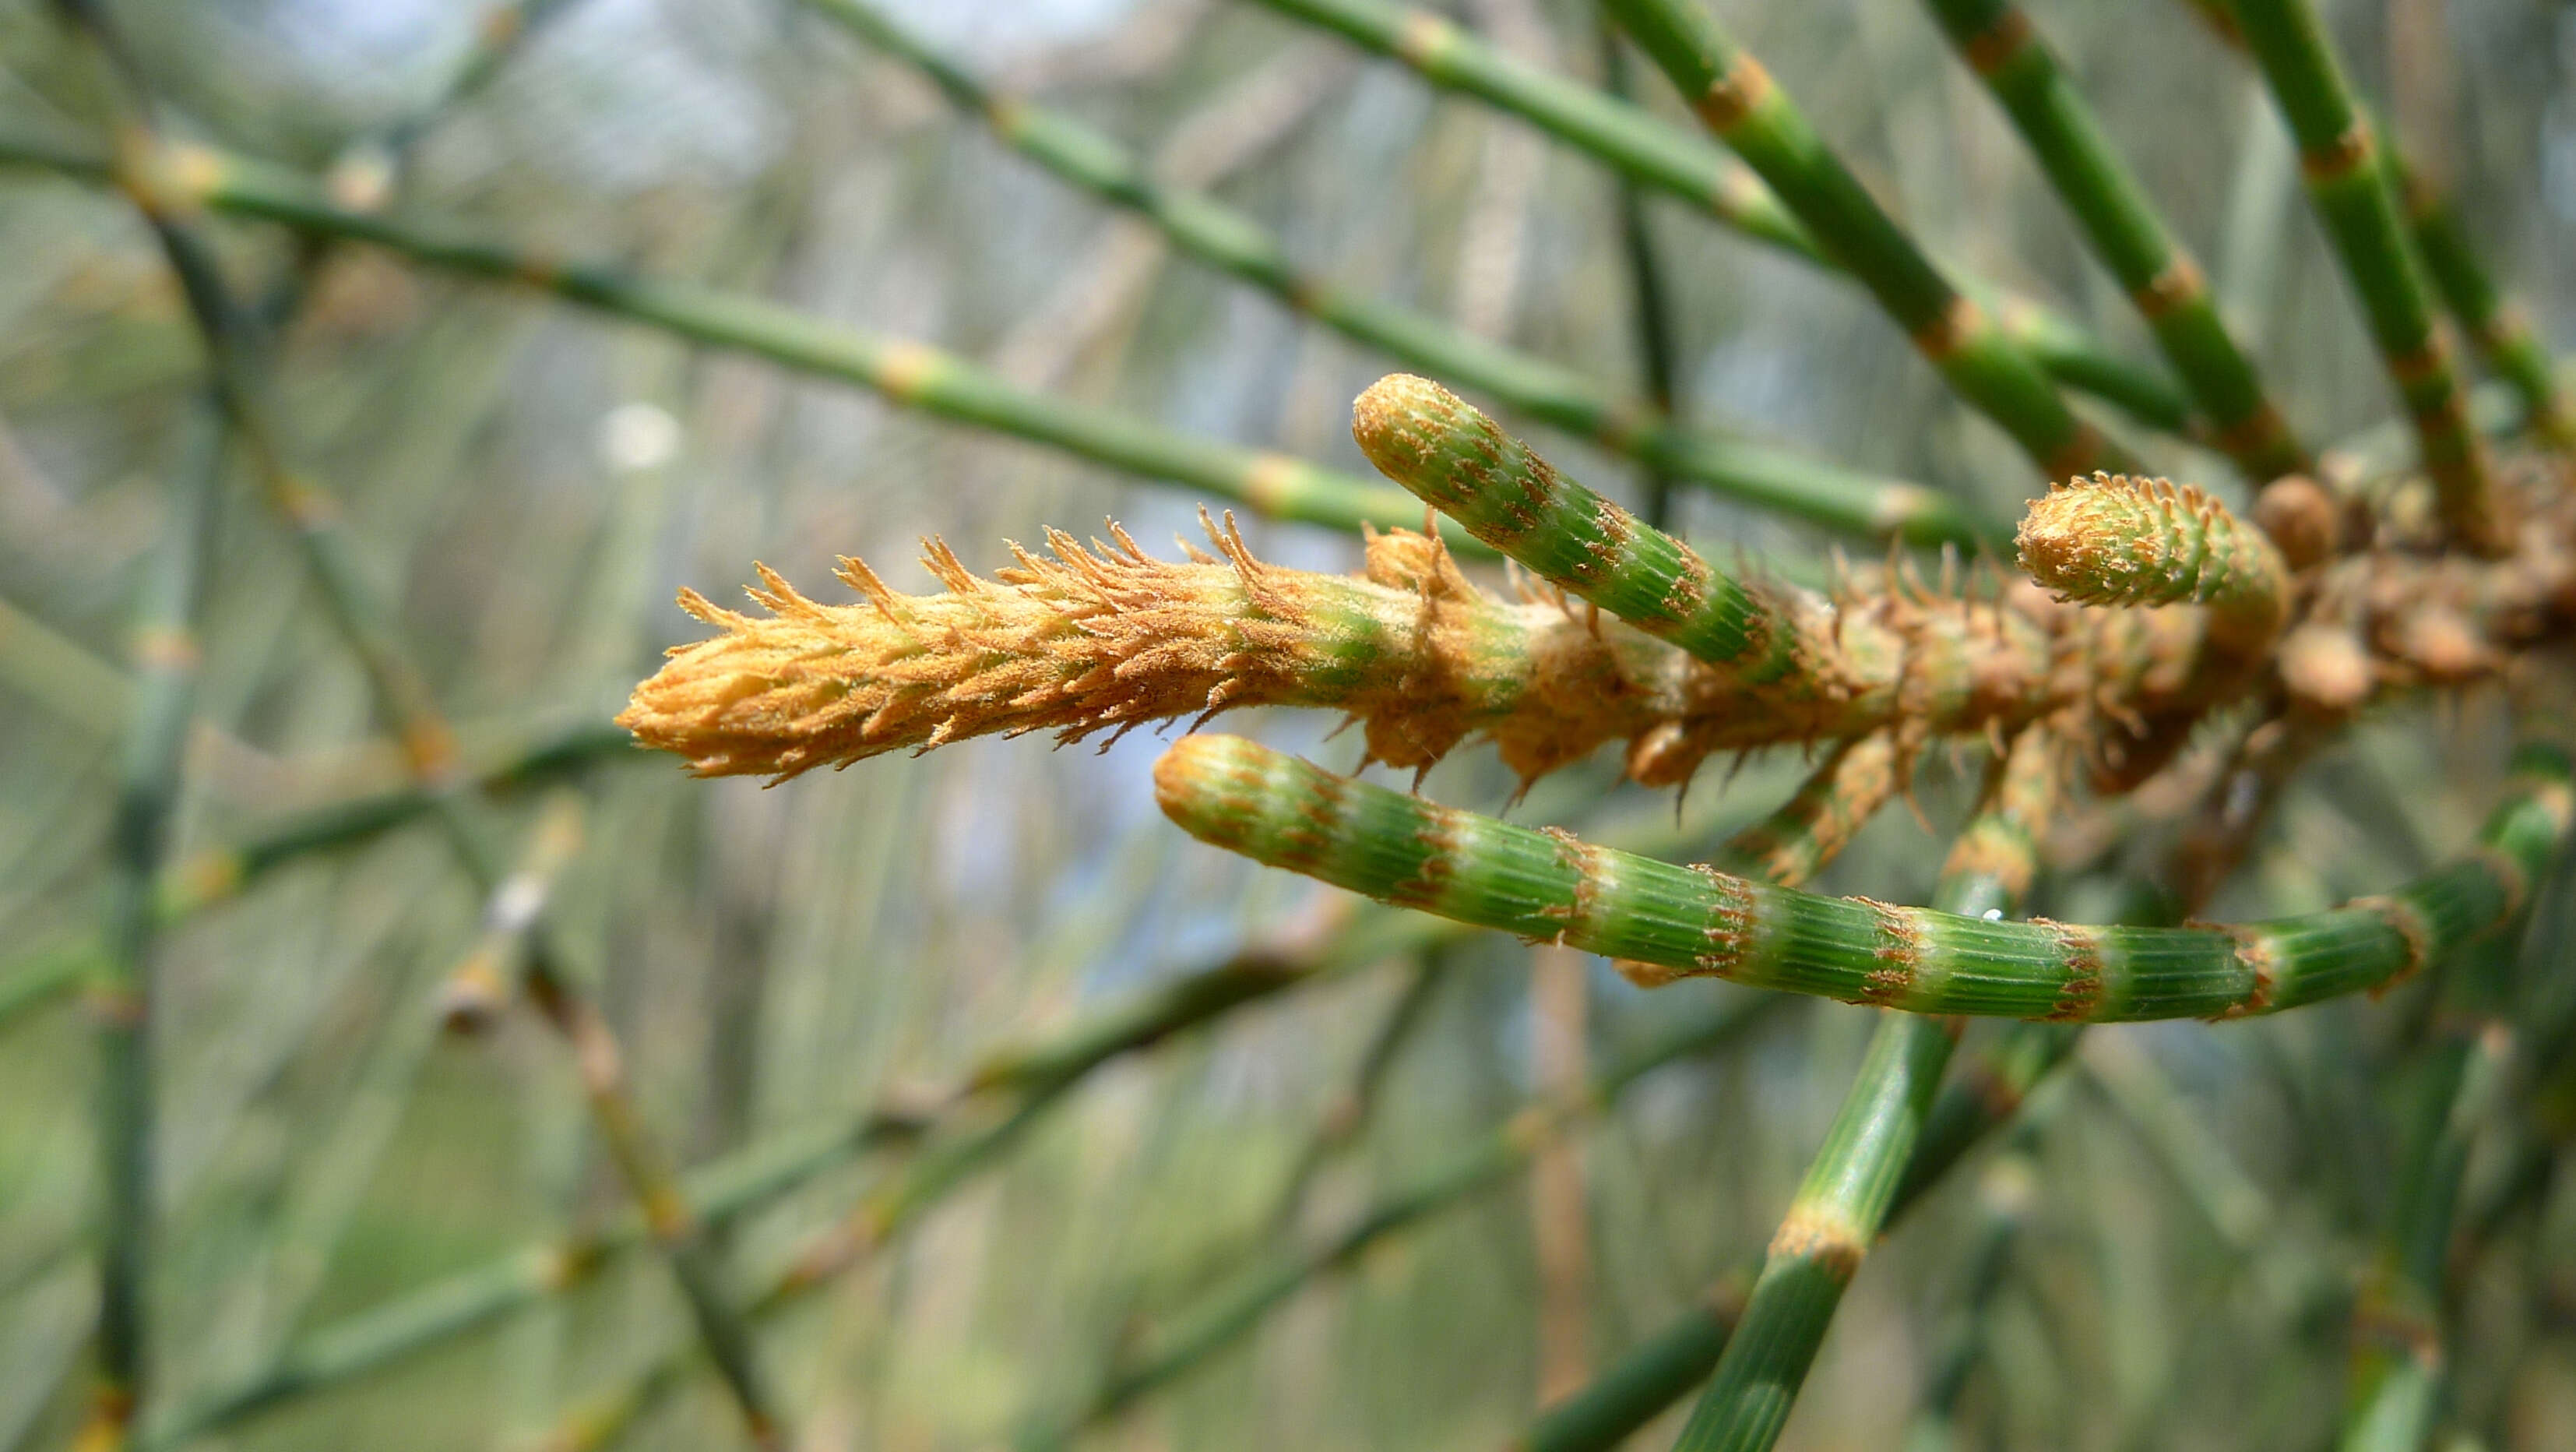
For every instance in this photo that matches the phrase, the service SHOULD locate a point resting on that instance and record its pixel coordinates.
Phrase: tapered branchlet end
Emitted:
(2116, 540)
(1462, 463)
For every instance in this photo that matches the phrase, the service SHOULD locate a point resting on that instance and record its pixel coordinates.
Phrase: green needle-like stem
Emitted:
(1681, 922)
(1664, 1367)
(1741, 104)
(2339, 155)
(1238, 245)
(1852, 1183)
(121, 993)
(1641, 147)
(1492, 1159)
(2500, 330)
(1997, 40)
(907, 373)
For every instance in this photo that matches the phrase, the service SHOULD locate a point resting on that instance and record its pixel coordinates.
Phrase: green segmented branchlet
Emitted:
(1748, 111)
(1997, 40)
(2497, 328)
(2338, 154)
(1689, 922)
(1462, 463)
(1850, 1187)
(1237, 244)
(1794, 843)
(2114, 540)
(2399, 1374)
(906, 373)
(1891, 1141)
(1640, 146)
(1664, 1366)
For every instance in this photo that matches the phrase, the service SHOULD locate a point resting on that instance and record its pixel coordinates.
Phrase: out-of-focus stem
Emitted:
(1237, 244)
(1997, 40)
(166, 653)
(1633, 142)
(1745, 108)
(235, 358)
(905, 372)
(2338, 153)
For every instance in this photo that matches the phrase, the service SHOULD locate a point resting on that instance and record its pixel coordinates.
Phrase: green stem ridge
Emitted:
(1852, 1183)
(165, 671)
(1997, 40)
(1741, 104)
(158, 182)
(1665, 1366)
(2497, 328)
(1810, 830)
(2338, 155)
(1238, 245)
(907, 373)
(1632, 141)
(1493, 1159)
(1461, 463)
(1684, 922)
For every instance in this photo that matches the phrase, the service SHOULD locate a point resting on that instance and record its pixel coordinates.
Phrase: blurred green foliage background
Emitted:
(531, 484)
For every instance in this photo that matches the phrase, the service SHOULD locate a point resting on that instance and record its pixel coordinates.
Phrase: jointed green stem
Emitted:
(234, 354)
(165, 672)
(908, 373)
(1746, 109)
(1684, 922)
(2496, 327)
(1793, 844)
(1853, 1181)
(1666, 1365)
(1239, 245)
(1458, 461)
(2338, 154)
(1997, 40)
(1641, 147)
(1491, 1160)
(1648, 296)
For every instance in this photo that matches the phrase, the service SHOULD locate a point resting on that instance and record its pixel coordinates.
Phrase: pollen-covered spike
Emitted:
(1454, 458)
(709, 611)
(2114, 540)
(946, 568)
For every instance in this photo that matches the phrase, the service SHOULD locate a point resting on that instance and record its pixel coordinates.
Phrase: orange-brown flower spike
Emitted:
(1105, 638)
(2115, 540)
